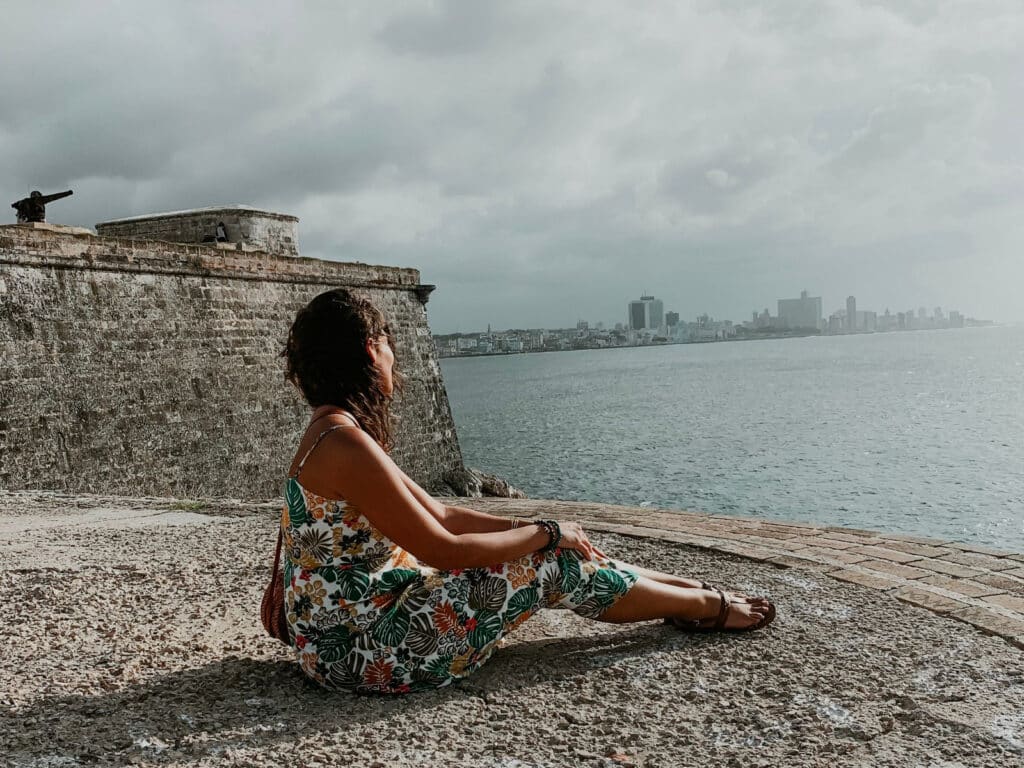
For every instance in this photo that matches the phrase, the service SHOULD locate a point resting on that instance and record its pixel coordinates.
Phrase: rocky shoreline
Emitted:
(132, 637)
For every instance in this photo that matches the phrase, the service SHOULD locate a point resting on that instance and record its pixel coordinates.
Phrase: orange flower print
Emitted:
(404, 560)
(308, 663)
(378, 674)
(519, 575)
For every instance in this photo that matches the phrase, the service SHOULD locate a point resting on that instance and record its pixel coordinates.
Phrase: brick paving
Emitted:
(978, 585)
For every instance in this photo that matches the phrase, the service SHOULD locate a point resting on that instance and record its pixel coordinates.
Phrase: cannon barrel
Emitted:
(44, 199)
(33, 208)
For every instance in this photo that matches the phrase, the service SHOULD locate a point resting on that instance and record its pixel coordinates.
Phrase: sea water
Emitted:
(917, 433)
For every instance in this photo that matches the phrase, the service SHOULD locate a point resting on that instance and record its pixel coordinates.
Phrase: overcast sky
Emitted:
(543, 162)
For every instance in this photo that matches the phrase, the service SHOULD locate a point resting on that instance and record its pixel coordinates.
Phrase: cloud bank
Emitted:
(545, 161)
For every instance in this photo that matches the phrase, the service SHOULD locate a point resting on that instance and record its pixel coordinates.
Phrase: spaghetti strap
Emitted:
(316, 443)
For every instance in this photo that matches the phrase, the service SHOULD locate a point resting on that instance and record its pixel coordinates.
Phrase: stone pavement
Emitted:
(977, 585)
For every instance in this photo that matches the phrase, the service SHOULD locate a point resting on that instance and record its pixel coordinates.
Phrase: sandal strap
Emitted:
(723, 611)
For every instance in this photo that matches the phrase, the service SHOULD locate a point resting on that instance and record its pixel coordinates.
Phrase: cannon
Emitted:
(33, 207)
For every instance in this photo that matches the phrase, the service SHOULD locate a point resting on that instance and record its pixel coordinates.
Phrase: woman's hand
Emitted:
(573, 537)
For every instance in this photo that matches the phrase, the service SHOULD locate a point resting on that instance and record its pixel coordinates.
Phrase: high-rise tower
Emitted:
(647, 313)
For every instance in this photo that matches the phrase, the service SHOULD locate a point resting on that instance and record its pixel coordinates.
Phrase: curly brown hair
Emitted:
(326, 358)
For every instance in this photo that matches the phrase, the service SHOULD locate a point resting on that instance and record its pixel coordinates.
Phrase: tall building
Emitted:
(657, 313)
(637, 317)
(804, 312)
(851, 313)
(647, 313)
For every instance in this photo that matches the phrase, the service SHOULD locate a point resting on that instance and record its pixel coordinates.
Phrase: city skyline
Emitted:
(666, 308)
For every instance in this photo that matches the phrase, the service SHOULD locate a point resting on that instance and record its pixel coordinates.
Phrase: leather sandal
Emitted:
(750, 599)
(717, 624)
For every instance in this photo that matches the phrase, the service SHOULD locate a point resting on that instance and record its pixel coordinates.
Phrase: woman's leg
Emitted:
(676, 581)
(650, 599)
(661, 578)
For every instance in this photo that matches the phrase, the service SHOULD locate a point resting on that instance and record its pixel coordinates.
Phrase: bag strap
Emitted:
(277, 556)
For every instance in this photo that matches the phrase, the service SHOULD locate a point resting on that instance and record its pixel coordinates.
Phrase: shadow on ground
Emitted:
(209, 708)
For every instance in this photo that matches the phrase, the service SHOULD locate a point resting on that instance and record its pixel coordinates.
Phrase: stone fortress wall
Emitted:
(246, 228)
(146, 367)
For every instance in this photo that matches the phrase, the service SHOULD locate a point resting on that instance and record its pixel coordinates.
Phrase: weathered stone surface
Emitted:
(895, 569)
(916, 540)
(1012, 602)
(966, 587)
(148, 368)
(264, 230)
(885, 553)
(1002, 582)
(927, 599)
(832, 555)
(821, 541)
(950, 569)
(985, 562)
(979, 549)
(792, 561)
(865, 579)
(991, 622)
(861, 539)
(921, 550)
(155, 656)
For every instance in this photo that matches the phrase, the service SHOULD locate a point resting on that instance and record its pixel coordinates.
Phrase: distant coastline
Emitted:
(753, 336)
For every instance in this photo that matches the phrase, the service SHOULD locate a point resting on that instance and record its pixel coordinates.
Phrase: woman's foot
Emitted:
(724, 612)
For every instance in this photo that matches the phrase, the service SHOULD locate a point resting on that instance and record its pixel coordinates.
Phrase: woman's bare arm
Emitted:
(456, 519)
(465, 520)
(367, 478)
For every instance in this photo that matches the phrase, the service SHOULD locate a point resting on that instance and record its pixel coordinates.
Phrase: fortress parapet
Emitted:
(146, 360)
(238, 226)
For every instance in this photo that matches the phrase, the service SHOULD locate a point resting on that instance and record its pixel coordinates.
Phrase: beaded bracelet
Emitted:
(554, 532)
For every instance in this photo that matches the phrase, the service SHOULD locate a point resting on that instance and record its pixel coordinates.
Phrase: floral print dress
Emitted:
(366, 616)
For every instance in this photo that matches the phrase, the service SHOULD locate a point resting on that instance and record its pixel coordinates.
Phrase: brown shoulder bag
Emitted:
(272, 606)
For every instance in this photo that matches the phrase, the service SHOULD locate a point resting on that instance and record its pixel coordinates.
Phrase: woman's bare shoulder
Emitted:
(343, 456)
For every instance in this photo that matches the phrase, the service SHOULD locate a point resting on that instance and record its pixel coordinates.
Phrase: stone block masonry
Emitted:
(152, 368)
(263, 230)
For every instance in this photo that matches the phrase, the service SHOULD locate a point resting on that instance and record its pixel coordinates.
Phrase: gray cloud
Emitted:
(543, 162)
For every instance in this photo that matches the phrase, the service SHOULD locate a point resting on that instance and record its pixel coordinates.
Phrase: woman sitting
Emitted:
(388, 590)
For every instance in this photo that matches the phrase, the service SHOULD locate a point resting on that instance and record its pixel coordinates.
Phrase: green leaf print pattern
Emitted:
(489, 594)
(392, 627)
(522, 601)
(297, 514)
(353, 581)
(422, 637)
(397, 578)
(486, 630)
(335, 644)
(569, 565)
(347, 673)
(608, 585)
